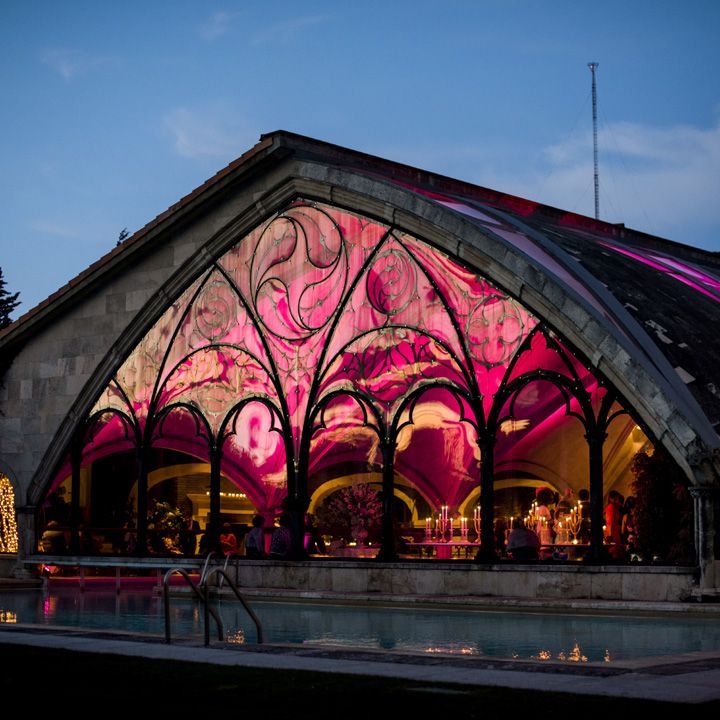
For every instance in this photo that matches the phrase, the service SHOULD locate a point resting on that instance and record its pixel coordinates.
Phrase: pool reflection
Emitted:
(564, 637)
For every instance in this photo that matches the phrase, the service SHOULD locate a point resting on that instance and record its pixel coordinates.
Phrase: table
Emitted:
(444, 550)
(573, 550)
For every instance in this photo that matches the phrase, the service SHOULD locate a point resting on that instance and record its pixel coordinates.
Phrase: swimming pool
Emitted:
(570, 636)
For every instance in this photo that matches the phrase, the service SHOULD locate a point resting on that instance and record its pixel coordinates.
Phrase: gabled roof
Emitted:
(660, 297)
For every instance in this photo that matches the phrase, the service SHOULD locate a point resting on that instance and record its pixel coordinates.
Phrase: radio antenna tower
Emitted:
(593, 66)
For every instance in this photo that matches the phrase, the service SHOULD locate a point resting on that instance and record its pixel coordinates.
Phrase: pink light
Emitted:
(663, 265)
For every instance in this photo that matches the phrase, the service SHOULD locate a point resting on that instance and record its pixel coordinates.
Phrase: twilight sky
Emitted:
(115, 110)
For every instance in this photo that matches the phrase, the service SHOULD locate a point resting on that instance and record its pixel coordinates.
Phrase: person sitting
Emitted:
(255, 539)
(53, 539)
(228, 541)
(523, 543)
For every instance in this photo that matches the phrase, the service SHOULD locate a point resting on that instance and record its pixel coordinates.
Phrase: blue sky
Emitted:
(113, 111)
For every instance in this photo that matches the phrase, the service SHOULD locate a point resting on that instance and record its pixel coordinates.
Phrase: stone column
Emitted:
(596, 440)
(487, 552)
(388, 549)
(704, 502)
(705, 464)
(213, 528)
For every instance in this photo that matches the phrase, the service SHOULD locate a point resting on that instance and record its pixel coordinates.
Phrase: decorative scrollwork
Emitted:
(215, 310)
(494, 330)
(298, 273)
(392, 282)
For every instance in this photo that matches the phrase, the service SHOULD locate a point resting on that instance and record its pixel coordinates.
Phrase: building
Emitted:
(414, 361)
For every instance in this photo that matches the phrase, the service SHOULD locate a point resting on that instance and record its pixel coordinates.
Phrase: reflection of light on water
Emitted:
(451, 650)
(236, 638)
(49, 606)
(542, 655)
(575, 655)
(8, 616)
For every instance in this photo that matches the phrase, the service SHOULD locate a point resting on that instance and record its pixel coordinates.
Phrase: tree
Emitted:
(8, 302)
(663, 508)
(122, 236)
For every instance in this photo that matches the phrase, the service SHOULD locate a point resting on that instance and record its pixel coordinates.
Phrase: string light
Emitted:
(8, 523)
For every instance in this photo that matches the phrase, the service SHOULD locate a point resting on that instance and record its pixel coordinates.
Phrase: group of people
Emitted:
(620, 525)
(254, 541)
(280, 538)
(525, 543)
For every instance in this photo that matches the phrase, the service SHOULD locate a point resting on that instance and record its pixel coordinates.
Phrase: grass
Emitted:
(81, 684)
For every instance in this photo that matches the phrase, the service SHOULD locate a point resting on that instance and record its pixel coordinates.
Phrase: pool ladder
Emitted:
(202, 593)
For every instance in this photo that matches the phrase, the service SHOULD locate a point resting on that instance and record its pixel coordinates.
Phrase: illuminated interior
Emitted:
(327, 354)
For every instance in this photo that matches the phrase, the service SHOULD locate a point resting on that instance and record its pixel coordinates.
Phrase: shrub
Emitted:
(663, 510)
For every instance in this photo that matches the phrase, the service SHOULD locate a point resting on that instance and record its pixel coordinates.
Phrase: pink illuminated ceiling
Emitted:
(318, 330)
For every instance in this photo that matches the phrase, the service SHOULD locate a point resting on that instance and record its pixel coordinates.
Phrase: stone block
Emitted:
(639, 585)
(517, 583)
(559, 585)
(350, 580)
(482, 581)
(606, 585)
(431, 582)
(681, 429)
(136, 300)
(26, 389)
(455, 581)
(405, 581)
(378, 580)
(251, 575)
(574, 312)
(114, 303)
(319, 578)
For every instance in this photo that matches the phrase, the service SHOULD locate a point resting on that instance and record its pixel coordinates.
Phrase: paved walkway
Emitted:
(692, 678)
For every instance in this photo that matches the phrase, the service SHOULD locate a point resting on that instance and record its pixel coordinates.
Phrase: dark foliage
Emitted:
(8, 302)
(663, 510)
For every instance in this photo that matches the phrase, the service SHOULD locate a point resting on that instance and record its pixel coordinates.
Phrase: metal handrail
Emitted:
(206, 590)
(202, 595)
(237, 554)
(204, 571)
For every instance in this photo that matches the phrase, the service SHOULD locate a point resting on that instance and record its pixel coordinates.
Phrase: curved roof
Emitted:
(660, 299)
(657, 299)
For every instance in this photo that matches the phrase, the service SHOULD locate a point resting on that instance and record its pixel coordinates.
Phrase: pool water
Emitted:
(570, 636)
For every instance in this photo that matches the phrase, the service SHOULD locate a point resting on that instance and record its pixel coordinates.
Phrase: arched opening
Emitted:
(328, 357)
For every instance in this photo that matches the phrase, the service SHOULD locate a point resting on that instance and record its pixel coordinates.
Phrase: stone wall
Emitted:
(453, 580)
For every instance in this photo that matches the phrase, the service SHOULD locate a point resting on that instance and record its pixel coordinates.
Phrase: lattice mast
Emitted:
(593, 66)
